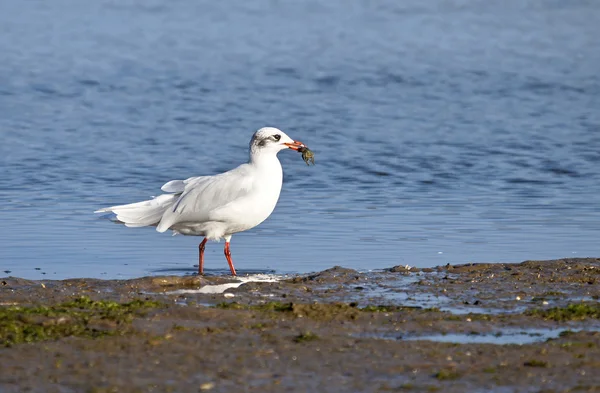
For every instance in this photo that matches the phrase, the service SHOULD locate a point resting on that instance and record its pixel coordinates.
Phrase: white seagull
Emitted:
(217, 206)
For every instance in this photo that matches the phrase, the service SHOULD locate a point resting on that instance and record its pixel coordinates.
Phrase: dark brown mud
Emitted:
(528, 327)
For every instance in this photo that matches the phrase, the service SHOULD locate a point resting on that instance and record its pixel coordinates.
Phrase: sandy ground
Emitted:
(527, 327)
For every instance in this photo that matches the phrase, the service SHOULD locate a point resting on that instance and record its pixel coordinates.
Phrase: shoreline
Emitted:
(452, 328)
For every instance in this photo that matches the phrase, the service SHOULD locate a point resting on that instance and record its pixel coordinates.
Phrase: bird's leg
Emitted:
(201, 256)
(228, 256)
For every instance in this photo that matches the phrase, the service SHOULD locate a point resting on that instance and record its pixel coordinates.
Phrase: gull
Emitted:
(217, 206)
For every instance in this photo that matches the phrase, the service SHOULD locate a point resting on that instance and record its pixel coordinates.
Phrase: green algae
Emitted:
(274, 306)
(535, 363)
(231, 306)
(572, 312)
(270, 306)
(80, 316)
(446, 375)
(416, 388)
(305, 337)
(566, 333)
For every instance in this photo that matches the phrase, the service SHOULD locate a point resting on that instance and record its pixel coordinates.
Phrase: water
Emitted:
(501, 337)
(444, 132)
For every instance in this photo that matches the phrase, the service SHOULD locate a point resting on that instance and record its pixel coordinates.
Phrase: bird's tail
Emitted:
(141, 214)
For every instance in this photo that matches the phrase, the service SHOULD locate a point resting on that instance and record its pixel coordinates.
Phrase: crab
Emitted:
(307, 155)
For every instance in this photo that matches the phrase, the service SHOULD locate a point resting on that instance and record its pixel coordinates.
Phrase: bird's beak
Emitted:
(295, 145)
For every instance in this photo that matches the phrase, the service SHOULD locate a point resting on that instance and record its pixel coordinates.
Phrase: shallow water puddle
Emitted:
(501, 337)
(220, 288)
(403, 298)
(464, 309)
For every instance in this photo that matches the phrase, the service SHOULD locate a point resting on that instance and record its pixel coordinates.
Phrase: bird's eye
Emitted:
(277, 137)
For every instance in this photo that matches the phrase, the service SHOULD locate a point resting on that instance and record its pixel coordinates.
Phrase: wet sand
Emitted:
(527, 327)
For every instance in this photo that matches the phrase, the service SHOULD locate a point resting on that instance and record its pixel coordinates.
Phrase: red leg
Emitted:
(201, 256)
(228, 256)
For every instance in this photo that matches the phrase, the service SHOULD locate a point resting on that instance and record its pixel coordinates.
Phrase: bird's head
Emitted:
(272, 139)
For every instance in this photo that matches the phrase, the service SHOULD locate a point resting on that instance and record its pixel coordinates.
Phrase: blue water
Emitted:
(444, 132)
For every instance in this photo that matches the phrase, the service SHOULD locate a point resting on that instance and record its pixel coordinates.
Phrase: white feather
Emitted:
(143, 213)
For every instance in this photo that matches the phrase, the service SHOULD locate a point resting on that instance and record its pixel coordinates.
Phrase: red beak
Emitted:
(295, 145)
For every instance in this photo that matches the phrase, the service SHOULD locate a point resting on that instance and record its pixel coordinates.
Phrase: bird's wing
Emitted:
(174, 186)
(178, 186)
(202, 195)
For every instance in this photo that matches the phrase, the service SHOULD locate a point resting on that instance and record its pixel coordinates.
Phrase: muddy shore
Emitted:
(527, 327)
